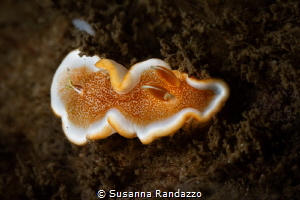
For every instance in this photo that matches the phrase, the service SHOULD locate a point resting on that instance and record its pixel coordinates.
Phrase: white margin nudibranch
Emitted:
(98, 97)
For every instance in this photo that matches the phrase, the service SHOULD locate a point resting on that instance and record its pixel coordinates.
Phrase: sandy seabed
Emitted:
(249, 150)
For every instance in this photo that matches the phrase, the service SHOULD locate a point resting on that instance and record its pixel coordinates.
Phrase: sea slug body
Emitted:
(98, 97)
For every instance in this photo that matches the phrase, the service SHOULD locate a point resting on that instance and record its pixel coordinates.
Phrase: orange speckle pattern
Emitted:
(137, 105)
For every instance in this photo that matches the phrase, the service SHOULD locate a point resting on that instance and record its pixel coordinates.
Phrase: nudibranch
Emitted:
(98, 97)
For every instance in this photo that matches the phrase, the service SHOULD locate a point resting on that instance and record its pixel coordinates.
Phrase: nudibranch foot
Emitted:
(147, 101)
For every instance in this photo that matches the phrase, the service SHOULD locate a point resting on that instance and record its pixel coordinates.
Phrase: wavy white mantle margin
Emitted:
(124, 81)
